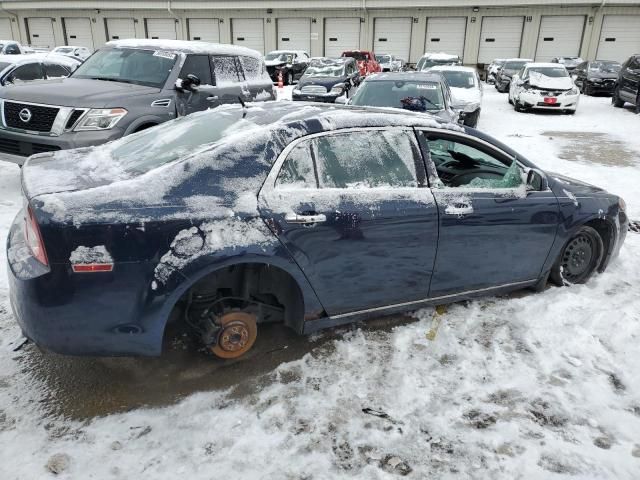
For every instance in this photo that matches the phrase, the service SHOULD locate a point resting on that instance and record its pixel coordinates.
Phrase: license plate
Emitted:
(550, 100)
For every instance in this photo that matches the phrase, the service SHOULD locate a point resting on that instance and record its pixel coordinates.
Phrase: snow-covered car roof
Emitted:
(20, 59)
(529, 60)
(544, 64)
(184, 46)
(454, 68)
(440, 56)
(418, 76)
(298, 52)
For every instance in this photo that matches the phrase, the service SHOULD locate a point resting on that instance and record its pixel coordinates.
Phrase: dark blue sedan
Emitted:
(310, 215)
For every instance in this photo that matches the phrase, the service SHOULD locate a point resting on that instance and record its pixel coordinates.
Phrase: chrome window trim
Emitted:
(270, 182)
(490, 146)
(431, 299)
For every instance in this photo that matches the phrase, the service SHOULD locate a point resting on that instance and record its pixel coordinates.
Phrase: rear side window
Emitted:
(253, 67)
(225, 69)
(55, 71)
(12, 49)
(297, 170)
(199, 66)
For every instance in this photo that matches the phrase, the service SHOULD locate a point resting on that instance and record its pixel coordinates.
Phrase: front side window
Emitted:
(53, 70)
(461, 164)
(26, 73)
(129, 65)
(199, 66)
(225, 69)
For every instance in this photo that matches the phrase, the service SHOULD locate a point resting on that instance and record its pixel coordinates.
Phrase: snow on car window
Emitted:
(331, 70)
(366, 159)
(297, 170)
(553, 72)
(225, 69)
(253, 67)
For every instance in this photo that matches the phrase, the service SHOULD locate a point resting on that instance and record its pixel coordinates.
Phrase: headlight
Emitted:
(339, 88)
(100, 119)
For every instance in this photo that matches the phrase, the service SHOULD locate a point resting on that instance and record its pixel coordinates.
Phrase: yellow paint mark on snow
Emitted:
(435, 322)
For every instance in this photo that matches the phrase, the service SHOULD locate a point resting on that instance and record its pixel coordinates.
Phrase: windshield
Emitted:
(383, 58)
(605, 67)
(459, 79)
(129, 65)
(279, 56)
(555, 72)
(334, 70)
(413, 95)
(514, 65)
(359, 56)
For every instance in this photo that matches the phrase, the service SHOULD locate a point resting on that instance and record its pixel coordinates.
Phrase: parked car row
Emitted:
(557, 85)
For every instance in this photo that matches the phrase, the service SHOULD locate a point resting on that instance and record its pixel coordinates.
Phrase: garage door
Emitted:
(560, 35)
(294, 34)
(161, 28)
(5, 29)
(446, 34)
(77, 32)
(41, 32)
(392, 36)
(204, 29)
(620, 37)
(120, 28)
(500, 38)
(248, 32)
(341, 34)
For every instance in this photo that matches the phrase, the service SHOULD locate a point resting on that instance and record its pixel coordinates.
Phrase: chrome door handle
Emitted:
(305, 219)
(213, 98)
(459, 209)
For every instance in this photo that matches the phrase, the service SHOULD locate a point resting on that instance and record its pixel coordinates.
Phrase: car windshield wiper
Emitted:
(112, 79)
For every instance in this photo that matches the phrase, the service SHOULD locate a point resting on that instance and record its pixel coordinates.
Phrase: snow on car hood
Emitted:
(274, 63)
(465, 95)
(540, 80)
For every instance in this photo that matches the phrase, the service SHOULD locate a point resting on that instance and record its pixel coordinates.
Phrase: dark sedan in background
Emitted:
(345, 213)
(327, 79)
(508, 70)
(417, 91)
(598, 76)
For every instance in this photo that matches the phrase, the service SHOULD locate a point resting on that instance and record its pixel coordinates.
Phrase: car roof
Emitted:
(544, 64)
(425, 76)
(38, 57)
(529, 60)
(440, 56)
(184, 46)
(288, 51)
(8, 41)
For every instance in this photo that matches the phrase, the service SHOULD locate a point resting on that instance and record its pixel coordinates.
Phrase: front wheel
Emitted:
(638, 104)
(290, 78)
(579, 258)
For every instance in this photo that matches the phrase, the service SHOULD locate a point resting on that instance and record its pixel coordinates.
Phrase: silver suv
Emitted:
(125, 87)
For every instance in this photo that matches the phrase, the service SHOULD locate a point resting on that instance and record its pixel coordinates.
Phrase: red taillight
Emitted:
(33, 238)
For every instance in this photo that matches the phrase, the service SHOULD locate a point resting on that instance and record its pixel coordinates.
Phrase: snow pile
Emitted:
(85, 255)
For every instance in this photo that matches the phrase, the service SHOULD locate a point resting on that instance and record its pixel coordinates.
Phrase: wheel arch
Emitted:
(293, 287)
(607, 231)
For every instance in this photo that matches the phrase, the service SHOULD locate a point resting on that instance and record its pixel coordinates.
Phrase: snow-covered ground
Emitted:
(532, 386)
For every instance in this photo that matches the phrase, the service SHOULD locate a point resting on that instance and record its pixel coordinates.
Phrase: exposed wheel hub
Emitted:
(577, 257)
(238, 332)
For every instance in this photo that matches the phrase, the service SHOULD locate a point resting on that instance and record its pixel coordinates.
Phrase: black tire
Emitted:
(579, 259)
(510, 101)
(517, 106)
(472, 120)
(615, 99)
(587, 90)
(637, 109)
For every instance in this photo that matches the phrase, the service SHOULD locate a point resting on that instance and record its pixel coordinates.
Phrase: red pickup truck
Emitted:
(366, 61)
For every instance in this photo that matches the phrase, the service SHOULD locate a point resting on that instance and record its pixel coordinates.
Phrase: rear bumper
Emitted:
(80, 314)
(16, 147)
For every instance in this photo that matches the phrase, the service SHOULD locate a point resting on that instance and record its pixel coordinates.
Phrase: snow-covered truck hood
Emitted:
(542, 81)
(75, 92)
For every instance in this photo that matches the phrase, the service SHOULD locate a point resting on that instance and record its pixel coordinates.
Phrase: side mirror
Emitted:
(189, 83)
(536, 180)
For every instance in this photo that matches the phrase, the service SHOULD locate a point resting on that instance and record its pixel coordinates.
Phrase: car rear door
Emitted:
(493, 231)
(353, 209)
(630, 86)
(229, 81)
(196, 99)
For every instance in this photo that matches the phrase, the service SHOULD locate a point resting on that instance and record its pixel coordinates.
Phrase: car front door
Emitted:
(195, 99)
(629, 89)
(493, 230)
(354, 210)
